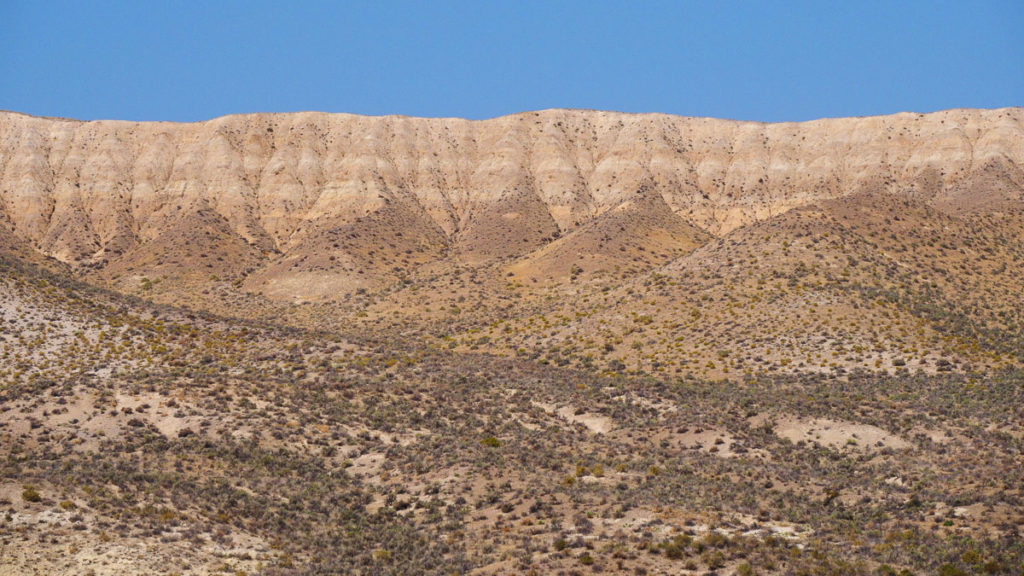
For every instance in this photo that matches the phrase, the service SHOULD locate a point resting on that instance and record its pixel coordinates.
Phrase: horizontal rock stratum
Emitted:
(267, 186)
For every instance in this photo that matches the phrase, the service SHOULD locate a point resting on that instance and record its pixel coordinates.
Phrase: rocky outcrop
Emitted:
(288, 185)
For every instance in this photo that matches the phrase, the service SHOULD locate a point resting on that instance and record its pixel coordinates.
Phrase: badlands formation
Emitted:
(287, 190)
(557, 342)
(243, 214)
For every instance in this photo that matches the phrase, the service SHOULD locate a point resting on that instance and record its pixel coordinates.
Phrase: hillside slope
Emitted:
(137, 439)
(311, 205)
(550, 343)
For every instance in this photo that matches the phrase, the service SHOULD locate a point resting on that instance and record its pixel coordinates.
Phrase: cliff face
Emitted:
(285, 190)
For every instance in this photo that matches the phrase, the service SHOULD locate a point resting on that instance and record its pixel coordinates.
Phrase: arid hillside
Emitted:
(313, 205)
(142, 439)
(613, 241)
(559, 342)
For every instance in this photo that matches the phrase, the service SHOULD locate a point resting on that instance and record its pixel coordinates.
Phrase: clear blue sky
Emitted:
(771, 61)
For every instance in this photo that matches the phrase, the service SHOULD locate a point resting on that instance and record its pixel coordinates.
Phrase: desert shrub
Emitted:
(30, 494)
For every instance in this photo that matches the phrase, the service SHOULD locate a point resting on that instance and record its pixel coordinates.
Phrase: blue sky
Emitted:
(769, 61)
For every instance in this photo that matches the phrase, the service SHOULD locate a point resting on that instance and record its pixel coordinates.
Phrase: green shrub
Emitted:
(30, 494)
